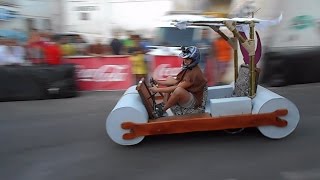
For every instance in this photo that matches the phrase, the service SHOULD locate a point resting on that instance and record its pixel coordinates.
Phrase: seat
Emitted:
(242, 85)
(179, 110)
(232, 99)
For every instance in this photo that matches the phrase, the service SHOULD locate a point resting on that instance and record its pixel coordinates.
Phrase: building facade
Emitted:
(24, 15)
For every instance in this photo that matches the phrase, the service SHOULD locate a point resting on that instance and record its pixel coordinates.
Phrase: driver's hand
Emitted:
(154, 89)
(153, 82)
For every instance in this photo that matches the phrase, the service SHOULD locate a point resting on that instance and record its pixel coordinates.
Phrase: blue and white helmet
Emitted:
(192, 53)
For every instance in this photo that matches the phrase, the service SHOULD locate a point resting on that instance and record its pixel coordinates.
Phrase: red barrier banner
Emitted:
(103, 73)
(164, 66)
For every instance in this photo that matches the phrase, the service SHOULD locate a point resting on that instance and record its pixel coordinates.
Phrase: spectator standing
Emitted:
(34, 48)
(223, 54)
(18, 52)
(97, 48)
(52, 52)
(206, 63)
(116, 45)
(204, 46)
(139, 68)
(67, 48)
(145, 43)
(11, 53)
(128, 43)
(80, 46)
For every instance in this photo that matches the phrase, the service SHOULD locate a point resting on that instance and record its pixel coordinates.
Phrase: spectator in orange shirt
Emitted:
(223, 54)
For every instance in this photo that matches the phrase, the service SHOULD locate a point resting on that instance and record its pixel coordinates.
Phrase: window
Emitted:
(30, 24)
(84, 16)
(47, 24)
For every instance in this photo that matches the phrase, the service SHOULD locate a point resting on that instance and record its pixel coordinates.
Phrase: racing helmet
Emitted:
(192, 53)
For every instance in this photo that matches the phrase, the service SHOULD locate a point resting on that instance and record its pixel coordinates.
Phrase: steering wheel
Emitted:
(154, 83)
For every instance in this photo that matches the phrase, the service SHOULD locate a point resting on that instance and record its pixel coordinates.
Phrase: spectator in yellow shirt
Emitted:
(67, 49)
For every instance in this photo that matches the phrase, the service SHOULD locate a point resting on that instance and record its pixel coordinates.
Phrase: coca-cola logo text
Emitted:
(164, 70)
(103, 73)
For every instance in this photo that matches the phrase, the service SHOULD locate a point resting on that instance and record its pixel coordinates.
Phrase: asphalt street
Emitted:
(65, 139)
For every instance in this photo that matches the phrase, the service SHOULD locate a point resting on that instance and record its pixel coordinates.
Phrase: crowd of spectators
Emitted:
(50, 49)
(46, 48)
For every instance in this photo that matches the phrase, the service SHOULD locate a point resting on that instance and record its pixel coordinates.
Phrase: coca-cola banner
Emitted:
(164, 66)
(103, 73)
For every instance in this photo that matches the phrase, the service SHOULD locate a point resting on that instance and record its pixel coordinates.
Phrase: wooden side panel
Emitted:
(204, 124)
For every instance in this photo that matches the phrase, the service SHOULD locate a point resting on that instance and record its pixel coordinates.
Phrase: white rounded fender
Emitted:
(128, 109)
(267, 101)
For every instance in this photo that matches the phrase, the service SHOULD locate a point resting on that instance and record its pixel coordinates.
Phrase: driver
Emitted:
(187, 93)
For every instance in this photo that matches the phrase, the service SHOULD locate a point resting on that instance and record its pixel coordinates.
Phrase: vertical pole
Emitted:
(235, 59)
(252, 64)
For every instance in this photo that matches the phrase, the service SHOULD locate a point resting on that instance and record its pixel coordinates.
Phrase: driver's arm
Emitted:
(170, 81)
(169, 89)
(184, 84)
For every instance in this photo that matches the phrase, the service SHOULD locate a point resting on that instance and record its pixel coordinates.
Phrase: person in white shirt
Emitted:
(3, 51)
(11, 52)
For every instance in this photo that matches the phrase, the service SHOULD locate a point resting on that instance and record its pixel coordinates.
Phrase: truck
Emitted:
(293, 50)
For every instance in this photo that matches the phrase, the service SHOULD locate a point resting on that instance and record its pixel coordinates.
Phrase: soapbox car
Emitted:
(241, 104)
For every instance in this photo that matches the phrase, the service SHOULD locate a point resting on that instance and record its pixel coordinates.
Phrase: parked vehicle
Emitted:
(291, 55)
